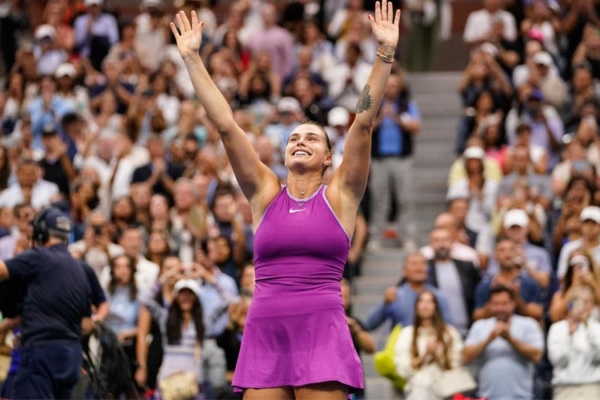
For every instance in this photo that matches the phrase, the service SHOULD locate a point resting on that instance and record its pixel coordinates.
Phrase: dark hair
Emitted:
(588, 185)
(438, 324)
(4, 170)
(132, 217)
(482, 93)
(175, 320)
(571, 270)
(501, 289)
(522, 128)
(112, 285)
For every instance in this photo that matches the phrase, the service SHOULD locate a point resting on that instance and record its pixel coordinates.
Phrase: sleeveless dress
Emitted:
(296, 331)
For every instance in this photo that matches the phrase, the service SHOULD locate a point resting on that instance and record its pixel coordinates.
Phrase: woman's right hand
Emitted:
(188, 37)
(141, 376)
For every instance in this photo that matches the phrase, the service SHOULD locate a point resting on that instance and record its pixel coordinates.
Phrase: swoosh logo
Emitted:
(295, 211)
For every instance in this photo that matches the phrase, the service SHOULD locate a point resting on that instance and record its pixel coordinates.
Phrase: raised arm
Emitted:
(253, 176)
(351, 177)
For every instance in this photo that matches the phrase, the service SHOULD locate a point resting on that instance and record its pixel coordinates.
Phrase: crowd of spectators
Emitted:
(513, 262)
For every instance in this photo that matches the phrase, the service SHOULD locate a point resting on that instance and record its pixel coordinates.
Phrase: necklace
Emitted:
(302, 202)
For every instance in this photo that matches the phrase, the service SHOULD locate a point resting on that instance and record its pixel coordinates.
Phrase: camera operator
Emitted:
(56, 310)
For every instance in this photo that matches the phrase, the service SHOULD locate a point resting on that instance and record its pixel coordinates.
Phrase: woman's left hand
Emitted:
(384, 25)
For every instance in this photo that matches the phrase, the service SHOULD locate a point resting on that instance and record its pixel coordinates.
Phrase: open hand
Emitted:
(189, 36)
(384, 25)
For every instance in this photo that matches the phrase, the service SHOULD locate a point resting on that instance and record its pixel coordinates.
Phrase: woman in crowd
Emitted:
(158, 246)
(182, 331)
(582, 272)
(574, 349)
(323, 218)
(122, 215)
(426, 348)
(122, 297)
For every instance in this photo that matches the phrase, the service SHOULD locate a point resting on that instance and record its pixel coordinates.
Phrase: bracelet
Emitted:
(387, 58)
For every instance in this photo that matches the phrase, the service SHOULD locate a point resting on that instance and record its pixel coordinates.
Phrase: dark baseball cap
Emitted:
(56, 221)
(49, 130)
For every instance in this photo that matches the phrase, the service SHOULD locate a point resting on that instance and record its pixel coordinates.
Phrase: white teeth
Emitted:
(300, 153)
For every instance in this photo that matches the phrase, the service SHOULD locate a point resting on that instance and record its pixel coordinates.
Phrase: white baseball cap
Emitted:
(338, 116)
(45, 31)
(65, 69)
(88, 3)
(190, 284)
(590, 213)
(516, 217)
(543, 58)
(288, 104)
(151, 3)
(474, 152)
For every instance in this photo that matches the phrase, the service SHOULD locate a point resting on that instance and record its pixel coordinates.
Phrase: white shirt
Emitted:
(347, 96)
(97, 258)
(576, 358)
(479, 24)
(41, 194)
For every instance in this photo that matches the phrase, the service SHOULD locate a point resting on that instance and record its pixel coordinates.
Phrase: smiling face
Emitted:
(308, 148)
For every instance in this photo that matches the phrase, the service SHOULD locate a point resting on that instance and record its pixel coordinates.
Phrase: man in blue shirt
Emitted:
(527, 292)
(399, 302)
(57, 301)
(391, 161)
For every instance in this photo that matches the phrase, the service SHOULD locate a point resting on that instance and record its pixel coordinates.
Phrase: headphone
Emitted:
(41, 233)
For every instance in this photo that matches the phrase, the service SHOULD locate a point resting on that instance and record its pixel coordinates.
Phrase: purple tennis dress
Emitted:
(296, 331)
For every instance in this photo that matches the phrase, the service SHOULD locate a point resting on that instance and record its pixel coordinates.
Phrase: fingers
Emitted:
(174, 30)
(397, 20)
(377, 11)
(390, 11)
(194, 19)
(186, 21)
(180, 22)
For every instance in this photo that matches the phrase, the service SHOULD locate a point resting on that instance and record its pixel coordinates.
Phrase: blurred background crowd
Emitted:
(98, 118)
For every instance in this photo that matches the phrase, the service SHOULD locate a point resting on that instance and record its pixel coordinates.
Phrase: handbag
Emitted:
(384, 360)
(453, 381)
(179, 386)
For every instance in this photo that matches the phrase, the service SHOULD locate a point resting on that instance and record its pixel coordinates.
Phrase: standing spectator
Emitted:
(459, 250)
(507, 347)
(95, 32)
(150, 34)
(426, 348)
(347, 78)
(48, 55)
(399, 302)
(47, 109)
(589, 242)
(574, 351)
(581, 273)
(29, 187)
(574, 165)
(455, 279)
(526, 292)
(481, 192)
(277, 41)
(391, 161)
(56, 165)
(538, 157)
(478, 28)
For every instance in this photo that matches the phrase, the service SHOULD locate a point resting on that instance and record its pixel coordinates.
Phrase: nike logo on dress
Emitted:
(295, 211)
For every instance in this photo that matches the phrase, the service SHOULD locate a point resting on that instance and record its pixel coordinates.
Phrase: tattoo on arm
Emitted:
(365, 102)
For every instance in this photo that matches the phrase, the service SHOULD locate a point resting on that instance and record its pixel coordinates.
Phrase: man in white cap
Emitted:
(48, 56)
(589, 242)
(534, 260)
(95, 33)
(552, 85)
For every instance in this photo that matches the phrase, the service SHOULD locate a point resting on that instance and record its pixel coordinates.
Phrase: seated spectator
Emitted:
(523, 171)
(582, 272)
(95, 248)
(484, 112)
(589, 242)
(547, 128)
(534, 261)
(56, 164)
(479, 23)
(455, 279)
(313, 105)
(574, 165)
(95, 32)
(398, 303)
(124, 307)
(29, 187)
(506, 347)
(537, 159)
(459, 250)
(110, 81)
(158, 246)
(481, 192)
(426, 348)
(526, 292)
(574, 350)
(493, 142)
